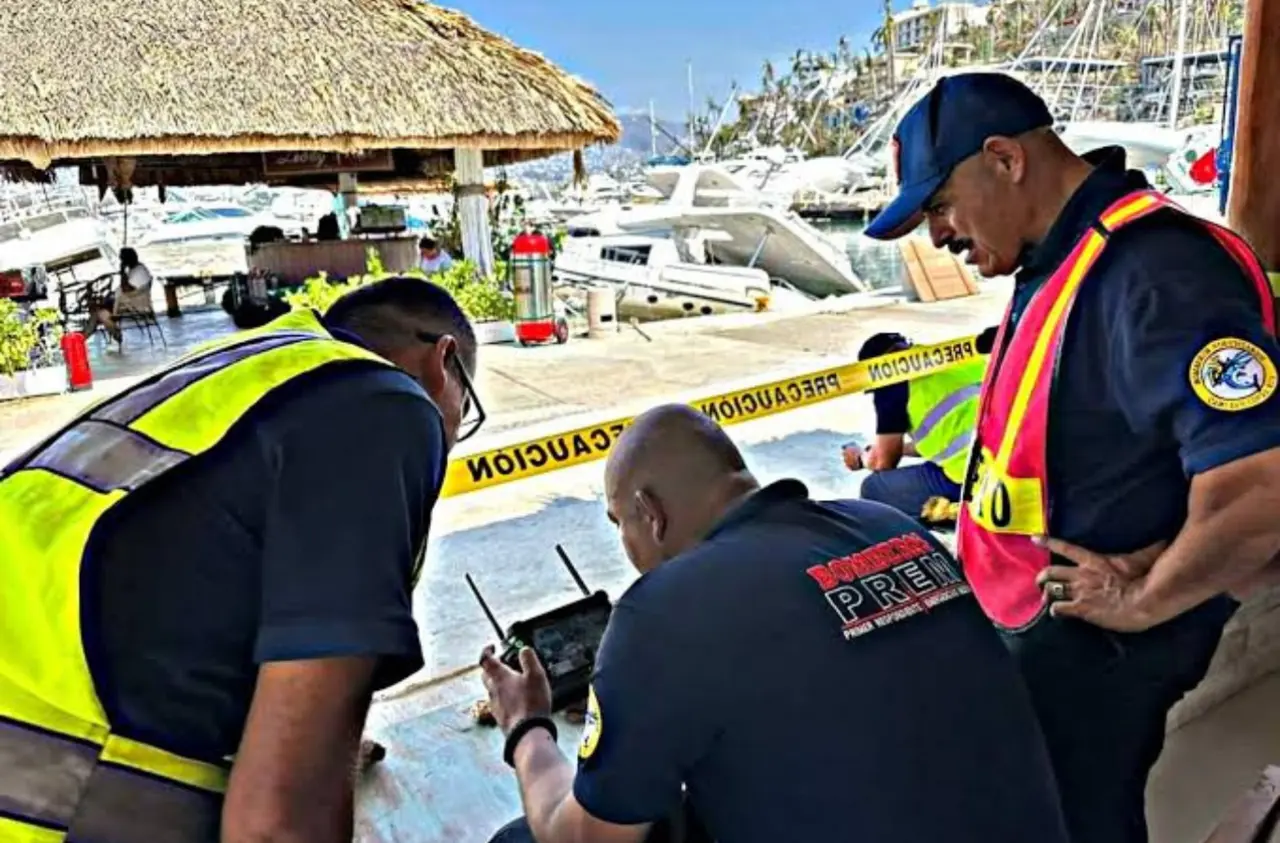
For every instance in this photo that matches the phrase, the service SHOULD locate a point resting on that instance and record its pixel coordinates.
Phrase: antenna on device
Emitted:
(497, 627)
(573, 572)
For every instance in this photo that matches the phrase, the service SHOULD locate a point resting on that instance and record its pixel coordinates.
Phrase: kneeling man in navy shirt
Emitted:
(807, 671)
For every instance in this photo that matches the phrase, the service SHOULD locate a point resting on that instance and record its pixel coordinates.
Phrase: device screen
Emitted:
(570, 643)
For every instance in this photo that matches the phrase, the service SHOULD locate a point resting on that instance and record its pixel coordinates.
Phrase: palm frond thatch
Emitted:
(92, 79)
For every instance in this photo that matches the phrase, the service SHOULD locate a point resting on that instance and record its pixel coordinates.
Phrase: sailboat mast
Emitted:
(1179, 58)
(692, 139)
(653, 132)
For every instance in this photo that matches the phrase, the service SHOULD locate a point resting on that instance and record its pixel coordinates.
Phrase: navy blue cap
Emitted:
(945, 127)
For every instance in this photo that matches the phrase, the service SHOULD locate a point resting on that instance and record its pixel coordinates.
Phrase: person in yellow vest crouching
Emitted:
(204, 578)
(932, 418)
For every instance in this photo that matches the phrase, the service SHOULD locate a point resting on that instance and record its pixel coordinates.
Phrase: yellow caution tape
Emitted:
(484, 469)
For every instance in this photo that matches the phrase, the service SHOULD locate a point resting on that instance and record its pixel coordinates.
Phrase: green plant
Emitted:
(373, 262)
(482, 299)
(27, 340)
(485, 302)
(318, 293)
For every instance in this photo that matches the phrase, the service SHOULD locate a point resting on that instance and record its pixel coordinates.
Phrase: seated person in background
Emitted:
(264, 234)
(811, 671)
(327, 228)
(132, 295)
(938, 412)
(431, 258)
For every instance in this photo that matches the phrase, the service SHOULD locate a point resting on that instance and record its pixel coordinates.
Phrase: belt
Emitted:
(104, 793)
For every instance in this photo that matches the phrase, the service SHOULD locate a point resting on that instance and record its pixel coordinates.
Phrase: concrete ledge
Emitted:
(33, 383)
(1250, 650)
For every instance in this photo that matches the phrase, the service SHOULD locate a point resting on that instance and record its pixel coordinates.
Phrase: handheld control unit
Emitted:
(566, 639)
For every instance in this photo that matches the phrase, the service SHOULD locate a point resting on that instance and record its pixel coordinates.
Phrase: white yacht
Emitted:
(712, 245)
(55, 228)
(1146, 145)
(212, 221)
(1203, 200)
(661, 276)
(300, 206)
(780, 174)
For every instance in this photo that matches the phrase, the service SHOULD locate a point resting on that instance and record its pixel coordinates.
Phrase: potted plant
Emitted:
(490, 308)
(30, 352)
(483, 299)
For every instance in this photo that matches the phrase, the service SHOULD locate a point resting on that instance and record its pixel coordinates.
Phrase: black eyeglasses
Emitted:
(472, 412)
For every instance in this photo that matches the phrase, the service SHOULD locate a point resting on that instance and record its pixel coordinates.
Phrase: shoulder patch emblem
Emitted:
(591, 727)
(1232, 374)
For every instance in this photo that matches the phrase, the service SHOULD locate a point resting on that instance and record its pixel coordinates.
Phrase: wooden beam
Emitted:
(1254, 206)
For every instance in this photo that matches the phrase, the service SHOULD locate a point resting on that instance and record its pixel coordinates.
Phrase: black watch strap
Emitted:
(523, 728)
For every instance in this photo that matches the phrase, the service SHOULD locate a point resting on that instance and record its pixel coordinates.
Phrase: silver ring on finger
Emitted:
(1056, 590)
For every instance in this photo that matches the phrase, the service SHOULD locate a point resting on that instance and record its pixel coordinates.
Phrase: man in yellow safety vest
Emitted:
(204, 579)
(931, 418)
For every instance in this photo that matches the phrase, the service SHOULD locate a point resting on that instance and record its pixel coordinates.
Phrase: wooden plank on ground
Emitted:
(935, 274)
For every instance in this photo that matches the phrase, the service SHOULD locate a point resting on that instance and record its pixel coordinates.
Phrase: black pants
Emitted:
(1102, 699)
(907, 489)
(516, 831)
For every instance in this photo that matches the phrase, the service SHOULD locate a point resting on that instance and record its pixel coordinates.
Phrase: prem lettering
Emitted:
(878, 557)
(895, 593)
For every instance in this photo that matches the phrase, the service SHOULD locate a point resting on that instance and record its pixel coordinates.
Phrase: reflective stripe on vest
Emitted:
(1006, 489)
(63, 774)
(943, 409)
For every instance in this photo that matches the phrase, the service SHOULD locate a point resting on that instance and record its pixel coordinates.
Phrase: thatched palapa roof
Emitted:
(217, 83)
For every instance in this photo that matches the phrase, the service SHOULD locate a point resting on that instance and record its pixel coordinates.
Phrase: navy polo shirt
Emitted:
(294, 539)
(814, 671)
(1127, 430)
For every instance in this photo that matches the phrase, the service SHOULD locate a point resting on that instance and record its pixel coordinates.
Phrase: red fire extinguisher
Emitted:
(530, 269)
(76, 355)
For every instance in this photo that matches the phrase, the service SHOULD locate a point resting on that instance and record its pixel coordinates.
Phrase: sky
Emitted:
(637, 51)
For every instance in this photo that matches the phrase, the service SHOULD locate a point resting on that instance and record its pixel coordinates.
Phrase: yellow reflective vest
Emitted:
(64, 774)
(943, 410)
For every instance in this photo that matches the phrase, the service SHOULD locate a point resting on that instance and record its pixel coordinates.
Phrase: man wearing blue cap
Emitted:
(1126, 464)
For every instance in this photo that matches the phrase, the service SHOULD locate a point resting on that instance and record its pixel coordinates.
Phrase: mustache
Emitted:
(958, 246)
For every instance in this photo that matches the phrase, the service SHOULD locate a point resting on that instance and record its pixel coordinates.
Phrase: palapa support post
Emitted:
(473, 208)
(1254, 202)
(348, 198)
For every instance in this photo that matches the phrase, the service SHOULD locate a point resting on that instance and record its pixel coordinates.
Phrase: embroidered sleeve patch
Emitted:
(1231, 375)
(591, 727)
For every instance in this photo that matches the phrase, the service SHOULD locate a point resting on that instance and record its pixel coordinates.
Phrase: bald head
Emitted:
(672, 474)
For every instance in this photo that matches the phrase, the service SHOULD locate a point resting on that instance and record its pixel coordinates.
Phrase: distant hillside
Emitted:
(629, 152)
(636, 134)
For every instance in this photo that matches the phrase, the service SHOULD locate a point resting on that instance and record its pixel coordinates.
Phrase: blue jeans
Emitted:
(1102, 698)
(907, 489)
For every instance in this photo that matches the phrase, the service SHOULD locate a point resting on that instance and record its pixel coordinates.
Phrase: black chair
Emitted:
(140, 319)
